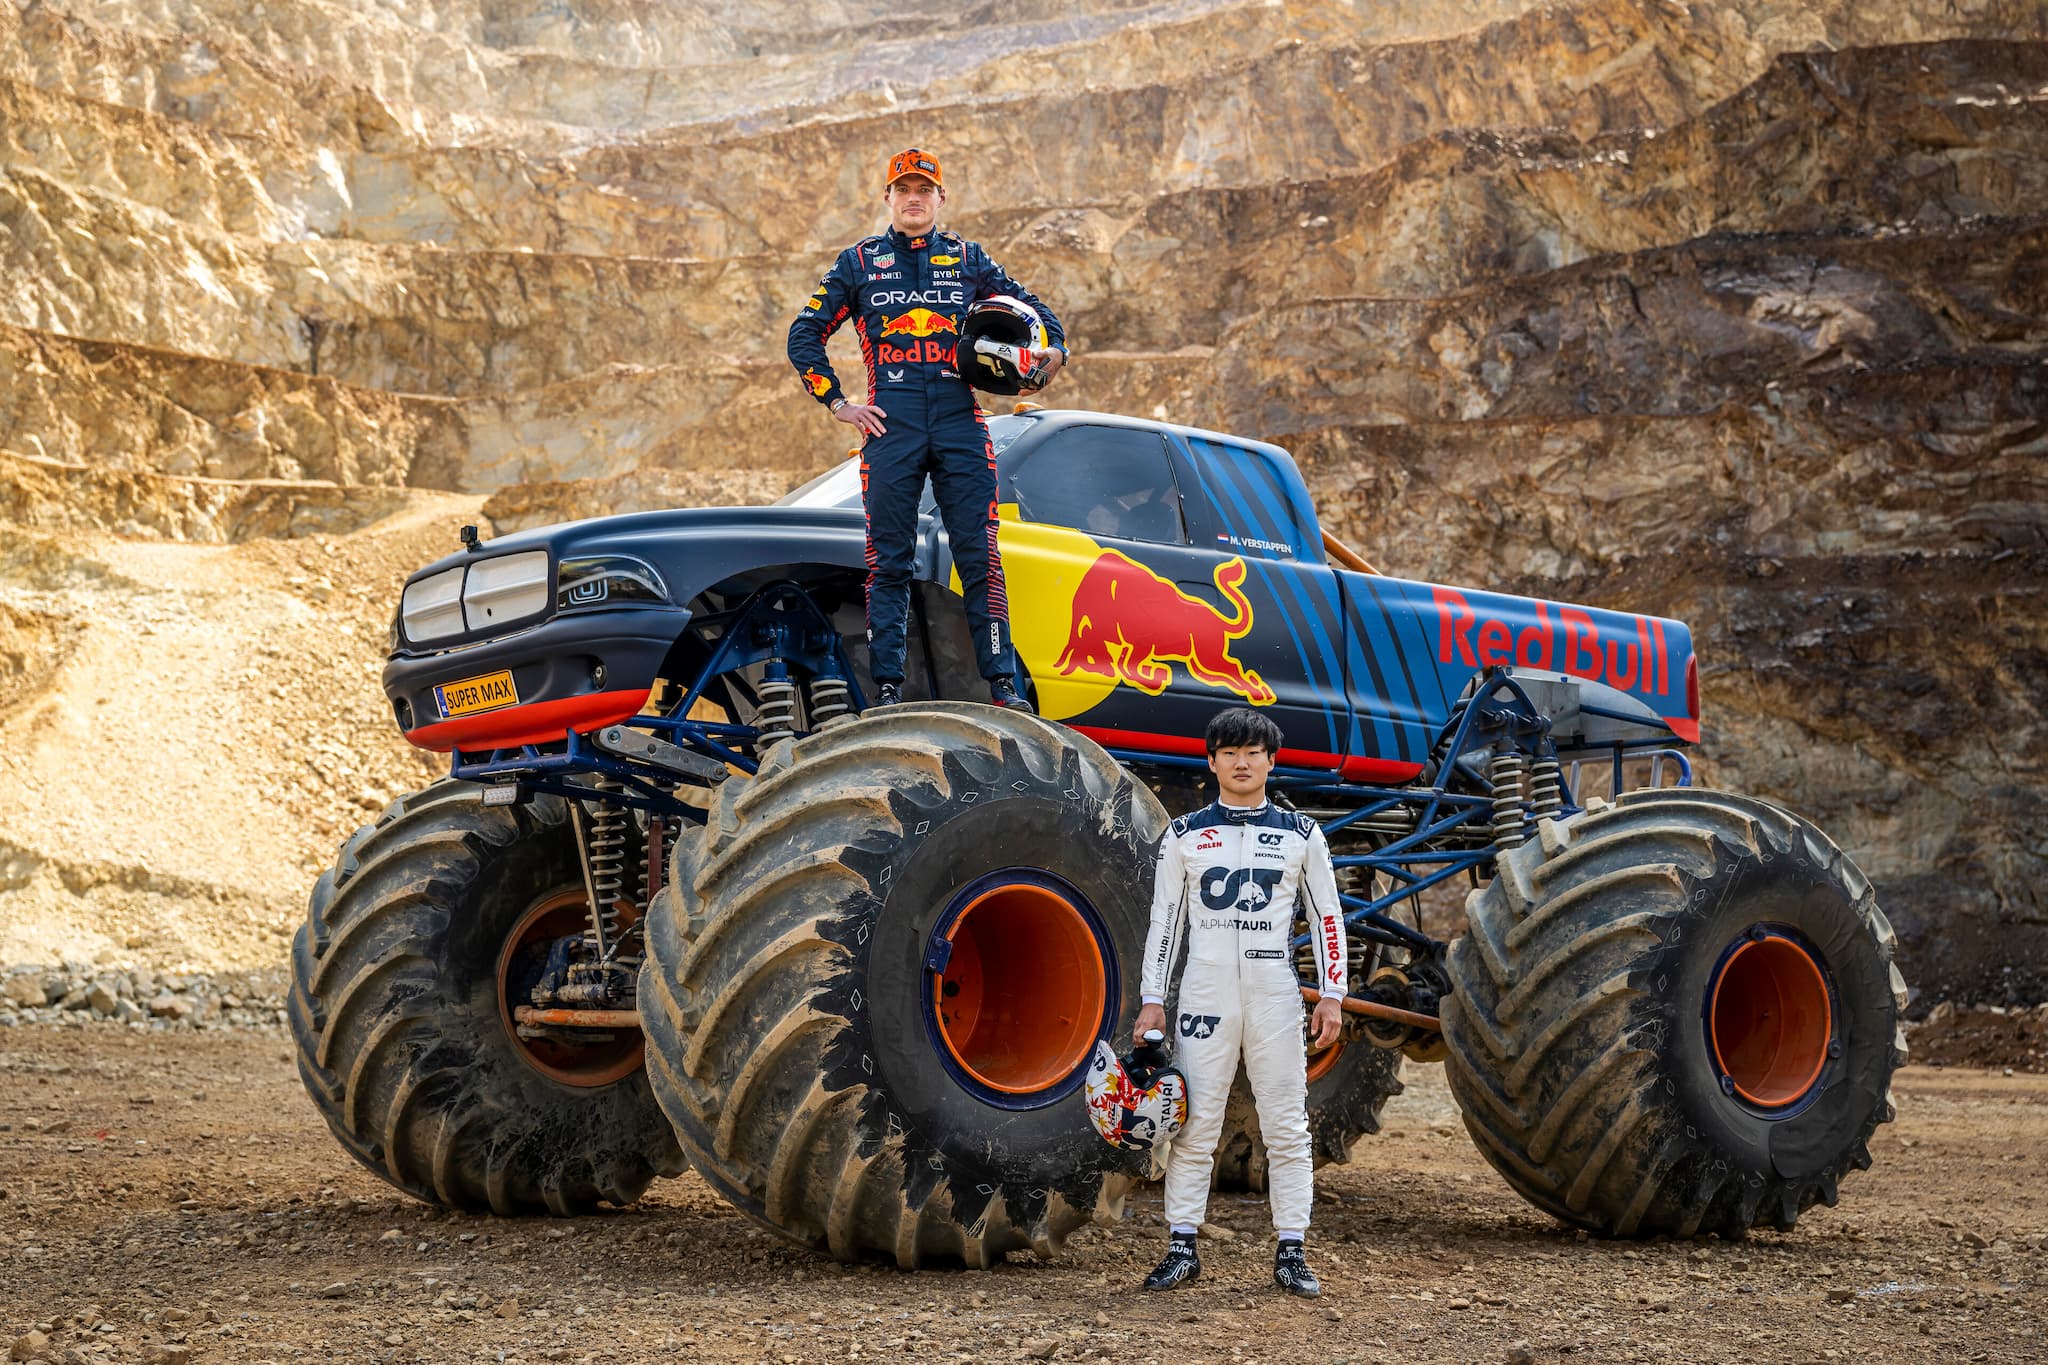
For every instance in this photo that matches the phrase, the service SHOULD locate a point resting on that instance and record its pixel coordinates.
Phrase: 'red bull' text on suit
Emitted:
(1227, 881)
(907, 297)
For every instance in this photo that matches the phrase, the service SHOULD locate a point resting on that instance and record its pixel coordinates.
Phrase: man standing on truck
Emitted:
(908, 291)
(1228, 876)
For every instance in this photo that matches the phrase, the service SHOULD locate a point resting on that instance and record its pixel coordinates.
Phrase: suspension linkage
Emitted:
(1373, 1009)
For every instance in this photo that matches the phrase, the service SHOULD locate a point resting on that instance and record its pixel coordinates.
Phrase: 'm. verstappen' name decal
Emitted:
(1570, 643)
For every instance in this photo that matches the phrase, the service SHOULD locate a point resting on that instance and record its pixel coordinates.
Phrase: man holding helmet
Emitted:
(1226, 884)
(909, 292)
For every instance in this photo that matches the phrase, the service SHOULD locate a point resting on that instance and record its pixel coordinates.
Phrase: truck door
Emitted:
(1249, 514)
(1095, 546)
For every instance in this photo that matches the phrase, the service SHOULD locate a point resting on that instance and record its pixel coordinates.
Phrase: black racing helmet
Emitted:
(997, 342)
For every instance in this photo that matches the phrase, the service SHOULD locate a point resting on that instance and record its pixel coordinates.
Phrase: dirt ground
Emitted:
(175, 1198)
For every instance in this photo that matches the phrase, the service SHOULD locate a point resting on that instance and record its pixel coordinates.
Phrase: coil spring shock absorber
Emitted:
(831, 703)
(1505, 773)
(776, 718)
(1546, 789)
(608, 821)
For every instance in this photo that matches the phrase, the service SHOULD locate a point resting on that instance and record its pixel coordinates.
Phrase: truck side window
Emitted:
(1109, 481)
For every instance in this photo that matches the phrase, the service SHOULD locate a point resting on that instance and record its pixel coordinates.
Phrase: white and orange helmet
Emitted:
(1139, 1104)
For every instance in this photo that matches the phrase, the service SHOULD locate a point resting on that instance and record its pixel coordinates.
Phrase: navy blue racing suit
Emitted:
(907, 298)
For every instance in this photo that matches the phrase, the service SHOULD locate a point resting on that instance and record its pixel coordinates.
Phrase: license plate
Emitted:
(472, 695)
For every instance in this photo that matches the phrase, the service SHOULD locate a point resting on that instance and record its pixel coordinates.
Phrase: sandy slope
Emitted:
(210, 728)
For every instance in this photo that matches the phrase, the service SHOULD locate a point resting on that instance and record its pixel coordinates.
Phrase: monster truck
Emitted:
(683, 898)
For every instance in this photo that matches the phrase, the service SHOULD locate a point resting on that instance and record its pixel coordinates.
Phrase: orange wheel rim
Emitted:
(1770, 1020)
(557, 915)
(1321, 1064)
(1019, 1005)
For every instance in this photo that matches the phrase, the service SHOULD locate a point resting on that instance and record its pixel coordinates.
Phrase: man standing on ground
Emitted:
(907, 291)
(1228, 877)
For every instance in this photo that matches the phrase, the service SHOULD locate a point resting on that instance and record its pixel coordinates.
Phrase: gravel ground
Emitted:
(172, 1196)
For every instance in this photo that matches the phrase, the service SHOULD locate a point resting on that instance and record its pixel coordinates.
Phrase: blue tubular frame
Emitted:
(1499, 707)
(779, 621)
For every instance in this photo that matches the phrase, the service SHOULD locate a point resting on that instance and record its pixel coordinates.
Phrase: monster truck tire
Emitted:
(1345, 1097)
(1677, 1014)
(801, 1045)
(401, 1039)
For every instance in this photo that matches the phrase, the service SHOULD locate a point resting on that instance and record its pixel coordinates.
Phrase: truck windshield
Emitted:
(839, 486)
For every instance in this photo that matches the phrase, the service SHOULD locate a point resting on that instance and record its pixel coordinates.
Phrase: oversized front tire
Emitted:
(874, 982)
(404, 1037)
(1677, 1014)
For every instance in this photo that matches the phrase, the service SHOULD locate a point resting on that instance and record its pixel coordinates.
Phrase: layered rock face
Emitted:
(1735, 310)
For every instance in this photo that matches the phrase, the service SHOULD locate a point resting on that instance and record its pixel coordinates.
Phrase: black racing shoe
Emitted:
(1291, 1272)
(886, 694)
(1180, 1266)
(1002, 692)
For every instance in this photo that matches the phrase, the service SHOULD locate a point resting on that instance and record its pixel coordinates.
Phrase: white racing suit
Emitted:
(1228, 878)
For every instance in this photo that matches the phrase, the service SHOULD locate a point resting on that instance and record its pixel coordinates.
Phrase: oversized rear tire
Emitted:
(405, 1044)
(820, 1074)
(1675, 1015)
(1348, 1087)
(1346, 1094)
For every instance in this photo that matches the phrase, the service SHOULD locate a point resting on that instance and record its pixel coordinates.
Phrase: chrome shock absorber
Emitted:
(776, 718)
(1505, 773)
(831, 703)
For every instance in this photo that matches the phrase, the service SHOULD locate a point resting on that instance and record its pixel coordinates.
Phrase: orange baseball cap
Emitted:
(911, 161)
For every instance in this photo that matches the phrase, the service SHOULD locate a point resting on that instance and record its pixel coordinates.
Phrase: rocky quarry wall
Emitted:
(1735, 310)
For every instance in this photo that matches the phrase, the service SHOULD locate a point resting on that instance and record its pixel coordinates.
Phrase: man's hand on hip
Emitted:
(865, 416)
(1150, 1017)
(1327, 1022)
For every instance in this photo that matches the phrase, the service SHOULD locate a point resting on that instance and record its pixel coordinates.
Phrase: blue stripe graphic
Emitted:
(1228, 476)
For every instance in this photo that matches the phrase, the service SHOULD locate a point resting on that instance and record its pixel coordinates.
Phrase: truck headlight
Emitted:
(432, 607)
(505, 588)
(607, 581)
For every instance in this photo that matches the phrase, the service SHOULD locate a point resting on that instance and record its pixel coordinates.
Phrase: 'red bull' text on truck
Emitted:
(684, 899)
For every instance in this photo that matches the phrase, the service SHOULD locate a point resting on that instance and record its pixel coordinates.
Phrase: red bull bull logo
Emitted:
(918, 322)
(922, 330)
(1129, 623)
(817, 383)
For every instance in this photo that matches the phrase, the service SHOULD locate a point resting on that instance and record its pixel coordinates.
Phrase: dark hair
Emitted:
(1241, 728)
